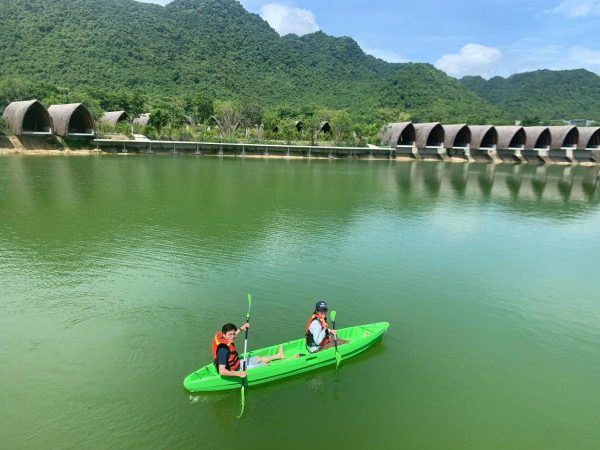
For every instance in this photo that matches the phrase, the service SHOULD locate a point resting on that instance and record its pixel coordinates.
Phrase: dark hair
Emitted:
(228, 327)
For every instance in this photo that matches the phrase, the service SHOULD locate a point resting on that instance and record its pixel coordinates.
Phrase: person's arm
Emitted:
(242, 328)
(222, 356)
(317, 331)
(230, 373)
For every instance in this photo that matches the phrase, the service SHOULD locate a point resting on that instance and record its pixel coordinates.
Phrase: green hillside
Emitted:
(544, 94)
(64, 49)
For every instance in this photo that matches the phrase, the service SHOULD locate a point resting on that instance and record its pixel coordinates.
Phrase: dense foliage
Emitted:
(545, 95)
(106, 50)
(199, 63)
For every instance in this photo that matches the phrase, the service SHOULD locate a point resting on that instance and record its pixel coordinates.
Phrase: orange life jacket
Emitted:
(233, 360)
(310, 342)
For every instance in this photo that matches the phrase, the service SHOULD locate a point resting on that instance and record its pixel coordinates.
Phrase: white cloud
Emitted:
(287, 19)
(577, 8)
(585, 56)
(528, 55)
(472, 59)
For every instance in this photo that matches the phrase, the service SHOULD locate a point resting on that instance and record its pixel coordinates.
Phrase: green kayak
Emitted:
(359, 339)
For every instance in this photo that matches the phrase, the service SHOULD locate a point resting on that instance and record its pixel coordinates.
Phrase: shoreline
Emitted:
(29, 146)
(451, 160)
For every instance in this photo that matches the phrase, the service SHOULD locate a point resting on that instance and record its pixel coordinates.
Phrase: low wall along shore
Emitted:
(535, 156)
(40, 145)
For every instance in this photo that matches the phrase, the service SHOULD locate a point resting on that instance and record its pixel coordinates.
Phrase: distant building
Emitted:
(579, 122)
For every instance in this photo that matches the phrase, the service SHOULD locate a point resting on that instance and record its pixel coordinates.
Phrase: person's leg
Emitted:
(267, 359)
(253, 363)
(332, 343)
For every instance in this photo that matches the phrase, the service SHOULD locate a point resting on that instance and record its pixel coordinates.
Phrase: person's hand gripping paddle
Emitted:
(338, 357)
(245, 361)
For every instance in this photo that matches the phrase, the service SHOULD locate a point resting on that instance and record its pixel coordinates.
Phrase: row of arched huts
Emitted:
(433, 138)
(74, 119)
(32, 118)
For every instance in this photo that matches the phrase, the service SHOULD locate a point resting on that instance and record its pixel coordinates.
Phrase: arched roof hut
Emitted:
(72, 119)
(483, 136)
(325, 127)
(299, 125)
(429, 134)
(28, 117)
(456, 135)
(143, 119)
(564, 136)
(510, 136)
(395, 134)
(537, 137)
(112, 118)
(589, 137)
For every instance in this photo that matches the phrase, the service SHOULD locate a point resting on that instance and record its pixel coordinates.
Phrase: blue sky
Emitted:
(470, 37)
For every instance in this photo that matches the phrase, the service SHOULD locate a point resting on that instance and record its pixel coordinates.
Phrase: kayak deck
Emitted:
(359, 339)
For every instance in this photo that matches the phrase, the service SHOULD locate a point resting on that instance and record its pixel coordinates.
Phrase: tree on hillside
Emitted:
(203, 108)
(390, 115)
(270, 121)
(136, 103)
(288, 130)
(531, 121)
(342, 126)
(17, 89)
(228, 117)
(159, 118)
(250, 115)
(312, 123)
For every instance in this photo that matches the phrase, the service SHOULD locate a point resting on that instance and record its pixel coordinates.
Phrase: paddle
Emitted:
(244, 362)
(338, 357)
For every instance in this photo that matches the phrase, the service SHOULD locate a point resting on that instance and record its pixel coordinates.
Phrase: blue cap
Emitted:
(321, 306)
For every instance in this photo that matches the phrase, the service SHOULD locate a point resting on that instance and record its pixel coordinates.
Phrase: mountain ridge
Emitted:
(218, 48)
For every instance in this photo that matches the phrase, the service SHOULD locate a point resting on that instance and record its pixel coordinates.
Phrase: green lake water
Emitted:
(115, 272)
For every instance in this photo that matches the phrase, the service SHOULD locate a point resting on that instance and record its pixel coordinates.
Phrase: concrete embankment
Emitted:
(38, 145)
(290, 151)
(58, 146)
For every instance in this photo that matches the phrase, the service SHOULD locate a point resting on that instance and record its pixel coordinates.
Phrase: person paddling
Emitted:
(318, 332)
(226, 357)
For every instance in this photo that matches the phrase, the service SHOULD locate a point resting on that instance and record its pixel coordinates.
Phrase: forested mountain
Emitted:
(543, 95)
(217, 48)
(104, 51)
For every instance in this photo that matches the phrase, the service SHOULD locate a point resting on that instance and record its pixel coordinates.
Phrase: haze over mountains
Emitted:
(219, 48)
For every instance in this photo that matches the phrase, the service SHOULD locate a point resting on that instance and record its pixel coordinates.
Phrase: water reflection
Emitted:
(517, 187)
(213, 208)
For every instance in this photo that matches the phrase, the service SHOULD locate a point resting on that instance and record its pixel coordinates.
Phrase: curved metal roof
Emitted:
(537, 137)
(393, 133)
(589, 137)
(112, 118)
(429, 134)
(62, 116)
(457, 135)
(16, 113)
(483, 136)
(508, 135)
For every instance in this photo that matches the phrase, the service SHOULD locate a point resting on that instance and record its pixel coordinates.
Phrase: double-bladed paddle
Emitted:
(338, 357)
(245, 361)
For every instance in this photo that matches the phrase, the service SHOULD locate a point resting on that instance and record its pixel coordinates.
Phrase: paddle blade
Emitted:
(332, 315)
(249, 304)
(338, 359)
(243, 402)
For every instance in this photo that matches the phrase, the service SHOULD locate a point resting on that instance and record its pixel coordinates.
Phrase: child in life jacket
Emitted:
(318, 334)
